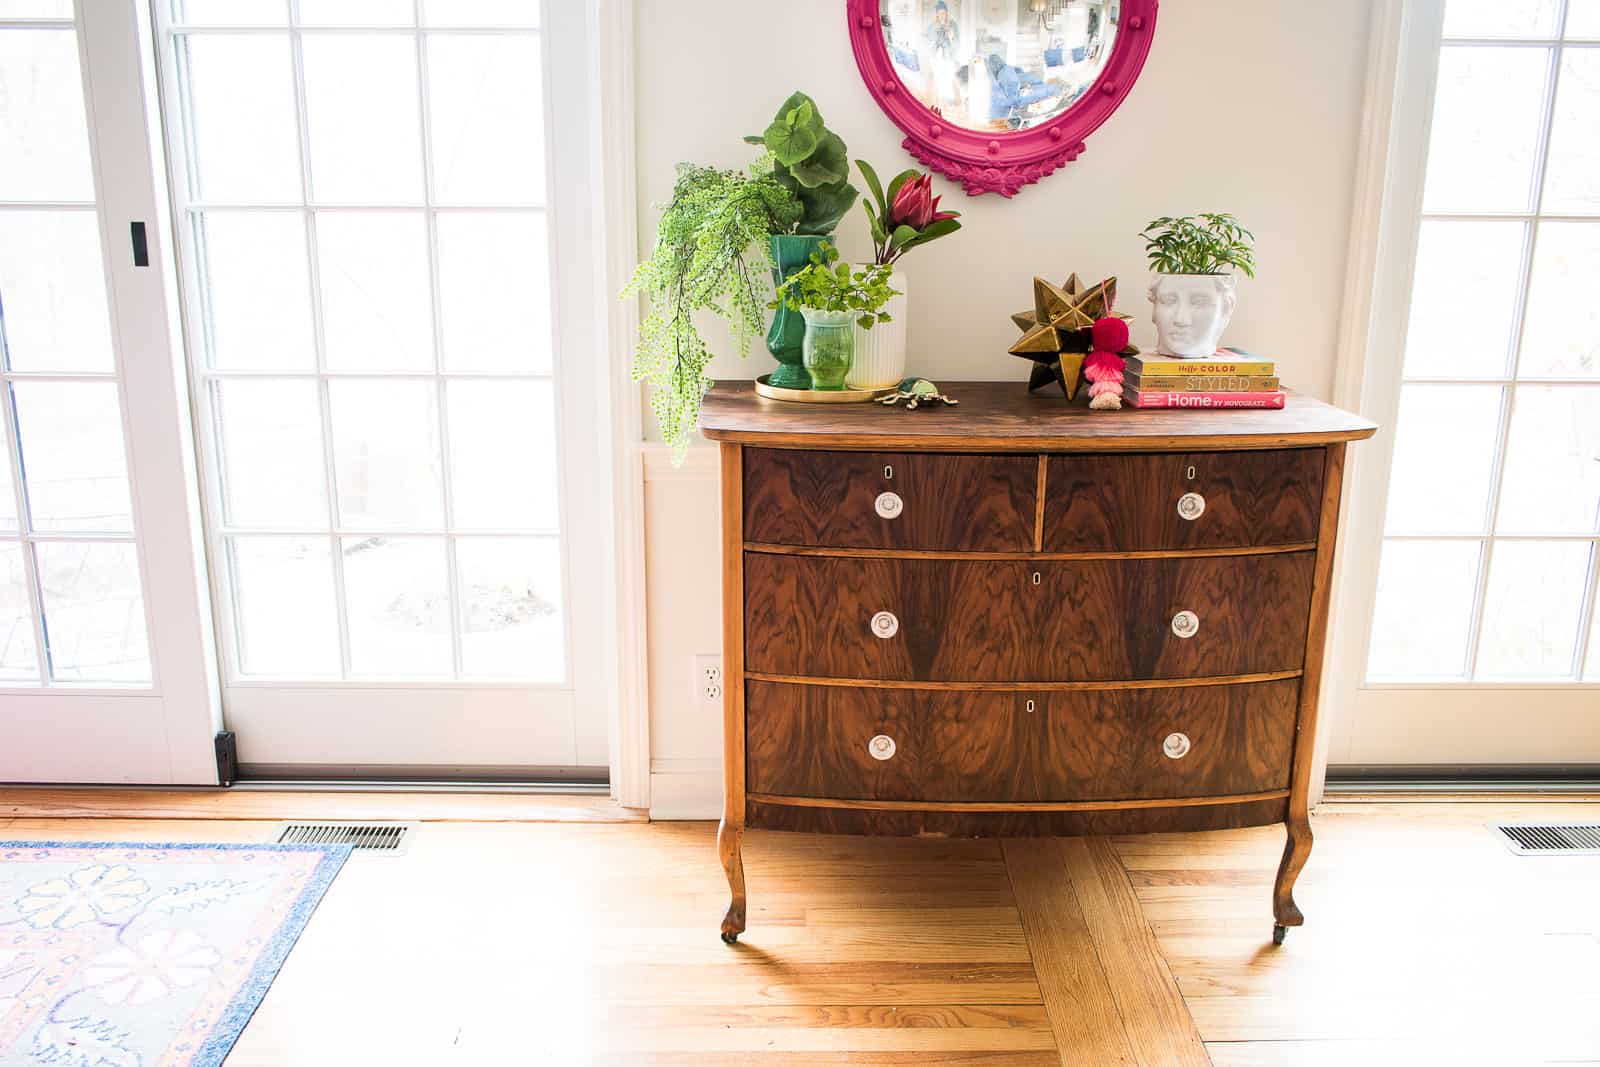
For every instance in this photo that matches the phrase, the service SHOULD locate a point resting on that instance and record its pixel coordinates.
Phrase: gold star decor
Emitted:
(1055, 331)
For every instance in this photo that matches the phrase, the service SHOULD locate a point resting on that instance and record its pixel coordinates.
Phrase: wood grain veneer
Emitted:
(1005, 417)
(988, 620)
(1130, 503)
(1062, 746)
(793, 497)
(900, 823)
(1036, 572)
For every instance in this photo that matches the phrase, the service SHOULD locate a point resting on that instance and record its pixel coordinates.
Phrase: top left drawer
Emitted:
(891, 500)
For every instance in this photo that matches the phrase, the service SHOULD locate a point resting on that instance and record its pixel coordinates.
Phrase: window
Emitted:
(72, 608)
(1491, 548)
(372, 334)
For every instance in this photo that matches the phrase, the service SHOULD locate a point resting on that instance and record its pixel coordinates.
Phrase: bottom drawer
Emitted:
(945, 745)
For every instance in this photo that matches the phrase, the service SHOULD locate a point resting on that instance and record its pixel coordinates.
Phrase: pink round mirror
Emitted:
(996, 94)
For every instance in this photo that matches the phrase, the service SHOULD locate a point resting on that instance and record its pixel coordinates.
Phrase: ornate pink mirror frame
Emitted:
(990, 162)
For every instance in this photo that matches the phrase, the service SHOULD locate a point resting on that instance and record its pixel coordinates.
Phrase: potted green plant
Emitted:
(834, 301)
(812, 163)
(1191, 284)
(719, 236)
(903, 217)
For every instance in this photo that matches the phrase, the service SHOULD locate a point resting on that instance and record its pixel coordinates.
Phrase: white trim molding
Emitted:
(611, 37)
(1402, 68)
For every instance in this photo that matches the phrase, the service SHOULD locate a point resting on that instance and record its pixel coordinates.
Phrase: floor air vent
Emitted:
(385, 838)
(1543, 839)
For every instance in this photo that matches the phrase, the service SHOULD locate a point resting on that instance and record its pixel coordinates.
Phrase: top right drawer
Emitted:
(1150, 502)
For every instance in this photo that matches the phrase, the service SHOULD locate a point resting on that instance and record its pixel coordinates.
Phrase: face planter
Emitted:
(1191, 311)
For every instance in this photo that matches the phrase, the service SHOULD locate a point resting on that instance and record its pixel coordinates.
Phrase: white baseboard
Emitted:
(685, 789)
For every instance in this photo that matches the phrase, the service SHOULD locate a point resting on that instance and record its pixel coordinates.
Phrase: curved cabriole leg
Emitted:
(728, 838)
(1296, 850)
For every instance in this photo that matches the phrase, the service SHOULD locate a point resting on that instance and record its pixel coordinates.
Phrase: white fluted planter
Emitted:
(881, 351)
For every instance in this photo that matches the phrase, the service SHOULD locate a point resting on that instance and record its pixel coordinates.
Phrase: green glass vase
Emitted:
(829, 347)
(790, 252)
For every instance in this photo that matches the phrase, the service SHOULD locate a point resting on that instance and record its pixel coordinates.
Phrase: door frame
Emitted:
(163, 734)
(1402, 70)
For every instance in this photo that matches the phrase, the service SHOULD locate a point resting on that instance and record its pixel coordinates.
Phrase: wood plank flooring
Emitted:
(1426, 942)
(113, 803)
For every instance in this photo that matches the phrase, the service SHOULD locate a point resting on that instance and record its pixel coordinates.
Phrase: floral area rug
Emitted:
(145, 955)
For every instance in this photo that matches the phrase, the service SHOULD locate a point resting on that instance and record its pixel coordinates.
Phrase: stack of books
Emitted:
(1233, 378)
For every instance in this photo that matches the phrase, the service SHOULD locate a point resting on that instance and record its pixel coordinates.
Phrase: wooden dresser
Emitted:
(1017, 617)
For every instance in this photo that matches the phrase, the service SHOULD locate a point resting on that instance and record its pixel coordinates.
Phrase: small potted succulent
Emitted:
(1191, 284)
(901, 217)
(835, 301)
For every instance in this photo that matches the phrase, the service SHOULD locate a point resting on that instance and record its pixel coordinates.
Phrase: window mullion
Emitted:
(430, 225)
(1584, 649)
(324, 402)
(1519, 318)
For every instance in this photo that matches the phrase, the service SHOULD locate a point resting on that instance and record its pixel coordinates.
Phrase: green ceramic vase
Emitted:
(787, 334)
(829, 347)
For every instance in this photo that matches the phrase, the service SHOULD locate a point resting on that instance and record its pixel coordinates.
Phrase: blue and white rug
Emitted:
(145, 955)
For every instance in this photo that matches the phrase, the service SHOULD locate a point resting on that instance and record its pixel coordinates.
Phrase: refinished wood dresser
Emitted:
(1018, 616)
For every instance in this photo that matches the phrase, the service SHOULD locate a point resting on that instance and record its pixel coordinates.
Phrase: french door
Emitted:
(105, 670)
(370, 201)
(1484, 645)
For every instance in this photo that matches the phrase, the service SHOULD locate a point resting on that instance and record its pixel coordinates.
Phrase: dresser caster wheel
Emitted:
(1278, 930)
(729, 938)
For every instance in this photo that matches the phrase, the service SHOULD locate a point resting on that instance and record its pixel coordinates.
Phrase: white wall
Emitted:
(1248, 106)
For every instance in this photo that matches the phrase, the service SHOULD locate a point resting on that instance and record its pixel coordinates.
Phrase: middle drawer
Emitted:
(1001, 620)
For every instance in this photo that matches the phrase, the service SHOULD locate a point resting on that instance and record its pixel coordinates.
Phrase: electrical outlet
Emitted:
(708, 679)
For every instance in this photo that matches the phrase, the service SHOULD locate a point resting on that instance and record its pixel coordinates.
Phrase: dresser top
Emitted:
(1005, 417)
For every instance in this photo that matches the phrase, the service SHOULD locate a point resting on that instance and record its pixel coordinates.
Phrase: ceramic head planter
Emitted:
(1191, 311)
(996, 94)
(1192, 284)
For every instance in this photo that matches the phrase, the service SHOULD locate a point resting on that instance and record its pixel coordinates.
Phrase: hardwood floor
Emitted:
(1426, 942)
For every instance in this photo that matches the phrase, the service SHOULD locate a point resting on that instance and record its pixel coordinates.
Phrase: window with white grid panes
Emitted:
(1491, 552)
(72, 610)
(369, 315)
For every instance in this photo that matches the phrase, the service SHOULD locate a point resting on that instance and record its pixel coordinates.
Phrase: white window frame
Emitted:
(163, 733)
(1431, 721)
(597, 430)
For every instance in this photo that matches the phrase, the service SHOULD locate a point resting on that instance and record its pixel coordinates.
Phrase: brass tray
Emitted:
(818, 396)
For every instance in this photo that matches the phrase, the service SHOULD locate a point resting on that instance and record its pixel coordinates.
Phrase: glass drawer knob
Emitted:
(1176, 746)
(885, 625)
(888, 505)
(1191, 506)
(1186, 624)
(881, 747)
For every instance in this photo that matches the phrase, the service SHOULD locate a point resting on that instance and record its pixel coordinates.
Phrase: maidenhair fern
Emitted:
(711, 254)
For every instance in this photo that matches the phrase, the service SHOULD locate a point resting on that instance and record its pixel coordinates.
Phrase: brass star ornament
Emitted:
(1055, 331)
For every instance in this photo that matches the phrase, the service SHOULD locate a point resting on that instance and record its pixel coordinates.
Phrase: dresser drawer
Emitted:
(1103, 503)
(1002, 620)
(829, 741)
(893, 500)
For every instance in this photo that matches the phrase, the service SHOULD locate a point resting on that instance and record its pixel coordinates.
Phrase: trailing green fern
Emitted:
(711, 254)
